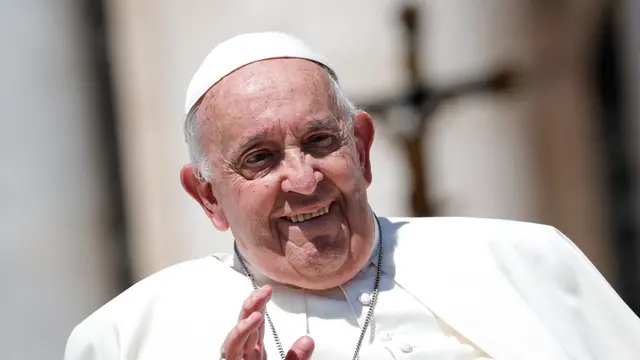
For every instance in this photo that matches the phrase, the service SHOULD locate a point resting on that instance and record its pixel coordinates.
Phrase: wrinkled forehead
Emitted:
(256, 79)
(266, 95)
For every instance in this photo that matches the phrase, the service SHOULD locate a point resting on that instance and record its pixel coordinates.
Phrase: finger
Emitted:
(252, 342)
(301, 349)
(254, 347)
(260, 342)
(233, 345)
(261, 331)
(255, 302)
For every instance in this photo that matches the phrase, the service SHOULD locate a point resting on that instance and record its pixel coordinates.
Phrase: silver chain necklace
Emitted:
(372, 304)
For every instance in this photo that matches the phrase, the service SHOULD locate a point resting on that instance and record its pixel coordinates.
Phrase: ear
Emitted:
(201, 191)
(364, 133)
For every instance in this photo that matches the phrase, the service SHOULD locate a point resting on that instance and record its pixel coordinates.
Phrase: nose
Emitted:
(300, 176)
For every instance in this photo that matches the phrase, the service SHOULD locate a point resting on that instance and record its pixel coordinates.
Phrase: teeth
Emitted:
(303, 217)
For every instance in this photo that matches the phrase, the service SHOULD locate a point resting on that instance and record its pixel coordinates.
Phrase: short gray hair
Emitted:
(194, 140)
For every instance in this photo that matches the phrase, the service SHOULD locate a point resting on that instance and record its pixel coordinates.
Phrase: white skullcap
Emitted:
(244, 49)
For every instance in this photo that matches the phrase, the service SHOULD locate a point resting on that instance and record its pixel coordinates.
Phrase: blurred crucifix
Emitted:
(422, 101)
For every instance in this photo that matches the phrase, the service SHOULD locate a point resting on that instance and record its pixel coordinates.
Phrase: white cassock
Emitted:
(451, 289)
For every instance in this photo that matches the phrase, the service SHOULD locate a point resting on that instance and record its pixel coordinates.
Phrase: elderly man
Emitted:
(281, 158)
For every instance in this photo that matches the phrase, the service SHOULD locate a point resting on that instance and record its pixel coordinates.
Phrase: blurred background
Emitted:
(515, 109)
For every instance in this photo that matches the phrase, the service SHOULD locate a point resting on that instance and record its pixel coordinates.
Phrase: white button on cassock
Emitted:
(406, 348)
(365, 299)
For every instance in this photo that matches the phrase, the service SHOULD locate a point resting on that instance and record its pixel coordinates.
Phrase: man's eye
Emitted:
(320, 139)
(258, 157)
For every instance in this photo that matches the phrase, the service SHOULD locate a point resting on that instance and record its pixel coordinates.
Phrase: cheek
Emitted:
(342, 169)
(253, 198)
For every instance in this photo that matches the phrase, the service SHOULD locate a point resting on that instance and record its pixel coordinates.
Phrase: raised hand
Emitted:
(246, 340)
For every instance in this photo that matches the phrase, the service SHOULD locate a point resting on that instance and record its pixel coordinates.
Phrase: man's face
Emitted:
(289, 172)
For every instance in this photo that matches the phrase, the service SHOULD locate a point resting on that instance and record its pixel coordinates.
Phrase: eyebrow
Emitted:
(248, 141)
(322, 124)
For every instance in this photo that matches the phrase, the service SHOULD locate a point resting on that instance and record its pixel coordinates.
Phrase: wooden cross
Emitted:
(424, 100)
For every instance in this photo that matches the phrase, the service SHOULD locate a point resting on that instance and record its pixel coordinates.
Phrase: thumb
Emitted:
(301, 349)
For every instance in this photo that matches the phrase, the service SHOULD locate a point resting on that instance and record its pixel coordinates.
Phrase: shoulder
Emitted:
(500, 239)
(465, 229)
(509, 244)
(179, 280)
(182, 289)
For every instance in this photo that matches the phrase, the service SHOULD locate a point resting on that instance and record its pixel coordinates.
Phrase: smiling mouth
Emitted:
(303, 217)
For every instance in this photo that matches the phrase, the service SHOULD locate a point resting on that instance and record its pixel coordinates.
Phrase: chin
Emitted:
(321, 266)
(326, 273)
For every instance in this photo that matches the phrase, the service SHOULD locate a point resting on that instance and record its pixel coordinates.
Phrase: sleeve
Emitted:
(606, 326)
(93, 340)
